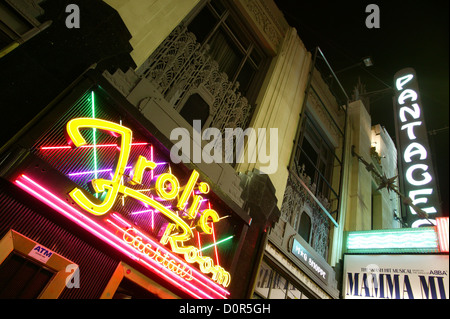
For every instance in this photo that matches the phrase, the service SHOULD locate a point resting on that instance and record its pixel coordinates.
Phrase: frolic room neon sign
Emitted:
(415, 156)
(174, 263)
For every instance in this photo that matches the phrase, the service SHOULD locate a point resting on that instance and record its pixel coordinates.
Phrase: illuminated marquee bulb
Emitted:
(167, 193)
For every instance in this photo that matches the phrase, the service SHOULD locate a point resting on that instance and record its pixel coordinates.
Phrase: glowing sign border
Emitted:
(412, 240)
(177, 231)
(412, 139)
(442, 231)
(210, 289)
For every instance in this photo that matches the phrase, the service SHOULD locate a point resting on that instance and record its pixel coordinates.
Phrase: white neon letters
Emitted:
(417, 175)
(410, 175)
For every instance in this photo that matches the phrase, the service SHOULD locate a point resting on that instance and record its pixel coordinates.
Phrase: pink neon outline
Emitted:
(215, 246)
(151, 159)
(159, 265)
(103, 236)
(142, 211)
(87, 146)
(199, 244)
(214, 237)
(91, 172)
(96, 229)
(163, 249)
(442, 230)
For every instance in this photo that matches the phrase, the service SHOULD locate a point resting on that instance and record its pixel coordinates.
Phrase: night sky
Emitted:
(411, 34)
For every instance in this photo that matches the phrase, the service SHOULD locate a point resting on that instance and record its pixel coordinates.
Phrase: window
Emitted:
(129, 283)
(18, 23)
(264, 280)
(21, 278)
(195, 108)
(12, 24)
(304, 227)
(236, 53)
(271, 284)
(25, 277)
(314, 158)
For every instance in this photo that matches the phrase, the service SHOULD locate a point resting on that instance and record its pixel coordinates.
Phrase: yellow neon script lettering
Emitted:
(100, 185)
(188, 190)
(177, 232)
(204, 220)
(141, 165)
(161, 188)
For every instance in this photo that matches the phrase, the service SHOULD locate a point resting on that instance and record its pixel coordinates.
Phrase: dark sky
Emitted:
(411, 34)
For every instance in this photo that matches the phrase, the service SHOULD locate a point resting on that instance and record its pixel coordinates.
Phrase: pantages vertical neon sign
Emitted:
(418, 175)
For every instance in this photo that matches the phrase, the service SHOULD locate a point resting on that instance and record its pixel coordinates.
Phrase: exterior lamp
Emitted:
(368, 61)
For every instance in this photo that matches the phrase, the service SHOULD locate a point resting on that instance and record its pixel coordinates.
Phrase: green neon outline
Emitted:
(215, 244)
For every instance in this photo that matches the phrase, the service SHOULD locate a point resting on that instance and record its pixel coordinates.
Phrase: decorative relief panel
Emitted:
(180, 66)
(268, 20)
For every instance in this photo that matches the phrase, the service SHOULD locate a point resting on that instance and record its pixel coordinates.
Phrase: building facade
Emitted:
(116, 153)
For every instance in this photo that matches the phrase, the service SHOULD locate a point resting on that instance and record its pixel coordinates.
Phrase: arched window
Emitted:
(304, 228)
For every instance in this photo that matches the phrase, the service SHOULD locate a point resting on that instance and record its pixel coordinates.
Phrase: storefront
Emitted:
(89, 193)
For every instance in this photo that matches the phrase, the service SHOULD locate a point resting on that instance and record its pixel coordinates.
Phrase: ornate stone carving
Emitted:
(267, 23)
(181, 65)
(295, 200)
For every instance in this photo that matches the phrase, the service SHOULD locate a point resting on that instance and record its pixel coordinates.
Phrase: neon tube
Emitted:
(151, 159)
(142, 211)
(87, 146)
(71, 213)
(90, 172)
(202, 279)
(53, 201)
(442, 230)
(215, 244)
(98, 171)
(94, 139)
(199, 243)
(214, 240)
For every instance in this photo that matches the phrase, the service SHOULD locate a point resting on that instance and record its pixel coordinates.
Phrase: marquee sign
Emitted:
(415, 157)
(395, 277)
(130, 196)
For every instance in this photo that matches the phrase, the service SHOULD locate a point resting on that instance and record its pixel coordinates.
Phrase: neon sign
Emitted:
(413, 145)
(167, 188)
(199, 287)
(131, 201)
